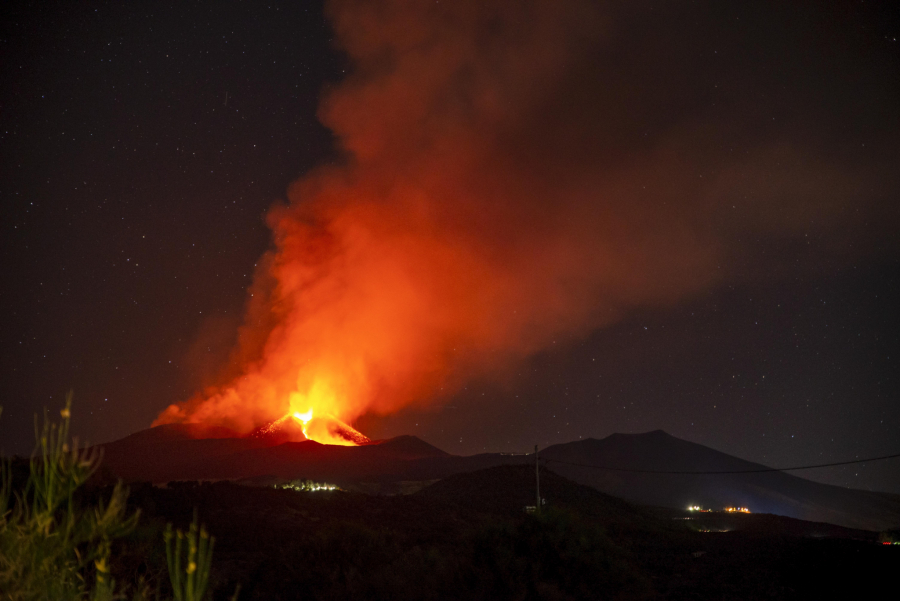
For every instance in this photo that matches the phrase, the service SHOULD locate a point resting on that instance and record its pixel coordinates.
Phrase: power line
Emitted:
(753, 471)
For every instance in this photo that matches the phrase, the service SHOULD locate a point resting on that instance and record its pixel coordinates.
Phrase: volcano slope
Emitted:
(467, 537)
(406, 463)
(775, 492)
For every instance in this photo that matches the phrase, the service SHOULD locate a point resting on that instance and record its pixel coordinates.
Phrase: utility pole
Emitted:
(537, 480)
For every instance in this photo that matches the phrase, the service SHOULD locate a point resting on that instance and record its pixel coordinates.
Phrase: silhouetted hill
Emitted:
(411, 447)
(768, 492)
(508, 489)
(169, 452)
(170, 432)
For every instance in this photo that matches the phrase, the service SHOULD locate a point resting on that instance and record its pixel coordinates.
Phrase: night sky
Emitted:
(142, 146)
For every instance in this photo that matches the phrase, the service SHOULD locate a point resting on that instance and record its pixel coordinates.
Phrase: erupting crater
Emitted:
(324, 429)
(328, 429)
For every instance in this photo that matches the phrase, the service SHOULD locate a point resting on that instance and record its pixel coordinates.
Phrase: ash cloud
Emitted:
(514, 172)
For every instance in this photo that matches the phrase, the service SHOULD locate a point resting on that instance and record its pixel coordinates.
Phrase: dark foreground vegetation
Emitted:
(467, 537)
(60, 542)
(464, 537)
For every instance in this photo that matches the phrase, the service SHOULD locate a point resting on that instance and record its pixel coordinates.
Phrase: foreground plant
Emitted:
(52, 549)
(189, 573)
(48, 545)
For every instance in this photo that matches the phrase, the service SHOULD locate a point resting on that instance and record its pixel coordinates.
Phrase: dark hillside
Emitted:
(281, 544)
(508, 489)
(467, 537)
(769, 492)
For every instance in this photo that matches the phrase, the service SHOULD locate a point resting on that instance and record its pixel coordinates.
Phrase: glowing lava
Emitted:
(317, 422)
(328, 429)
(324, 428)
(304, 418)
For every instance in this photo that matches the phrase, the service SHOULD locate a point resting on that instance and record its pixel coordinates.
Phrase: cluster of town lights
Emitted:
(309, 486)
(727, 509)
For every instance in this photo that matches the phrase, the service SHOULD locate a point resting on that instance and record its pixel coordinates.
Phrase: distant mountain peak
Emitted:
(172, 432)
(410, 445)
(650, 434)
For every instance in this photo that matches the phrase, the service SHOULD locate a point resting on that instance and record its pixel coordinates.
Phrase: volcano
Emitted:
(297, 427)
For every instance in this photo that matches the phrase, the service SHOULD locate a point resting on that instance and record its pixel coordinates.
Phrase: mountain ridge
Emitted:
(165, 454)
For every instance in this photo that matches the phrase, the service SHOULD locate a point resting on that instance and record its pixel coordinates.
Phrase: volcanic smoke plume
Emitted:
(509, 176)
